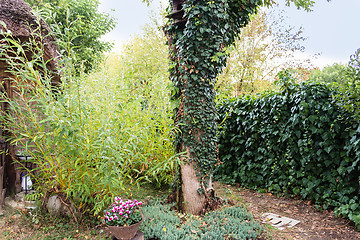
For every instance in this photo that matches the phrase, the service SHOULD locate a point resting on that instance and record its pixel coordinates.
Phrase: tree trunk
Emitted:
(195, 173)
(190, 201)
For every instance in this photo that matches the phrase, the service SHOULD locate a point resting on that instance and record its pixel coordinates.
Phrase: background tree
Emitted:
(350, 85)
(353, 71)
(329, 74)
(79, 26)
(263, 48)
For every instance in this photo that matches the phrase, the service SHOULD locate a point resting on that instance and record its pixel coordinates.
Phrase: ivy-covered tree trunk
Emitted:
(199, 33)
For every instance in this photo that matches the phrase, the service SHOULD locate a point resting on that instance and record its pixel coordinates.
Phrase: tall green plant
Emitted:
(92, 138)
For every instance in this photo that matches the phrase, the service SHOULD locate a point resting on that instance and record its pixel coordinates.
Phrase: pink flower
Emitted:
(107, 213)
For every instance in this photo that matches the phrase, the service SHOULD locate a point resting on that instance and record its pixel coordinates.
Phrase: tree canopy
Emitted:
(79, 26)
(300, 4)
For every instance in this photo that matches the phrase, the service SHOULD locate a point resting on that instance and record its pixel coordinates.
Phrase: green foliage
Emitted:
(354, 68)
(300, 141)
(93, 135)
(352, 74)
(228, 223)
(79, 24)
(305, 4)
(349, 87)
(330, 74)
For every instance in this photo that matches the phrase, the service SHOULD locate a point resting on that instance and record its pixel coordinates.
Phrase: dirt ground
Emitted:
(314, 224)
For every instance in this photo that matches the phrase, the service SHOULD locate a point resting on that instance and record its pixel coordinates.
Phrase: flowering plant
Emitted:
(123, 213)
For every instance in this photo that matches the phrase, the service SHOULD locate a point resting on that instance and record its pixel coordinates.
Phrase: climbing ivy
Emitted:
(300, 141)
(199, 49)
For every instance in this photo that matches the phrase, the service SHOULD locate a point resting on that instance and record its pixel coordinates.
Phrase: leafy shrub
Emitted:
(91, 138)
(300, 141)
(228, 223)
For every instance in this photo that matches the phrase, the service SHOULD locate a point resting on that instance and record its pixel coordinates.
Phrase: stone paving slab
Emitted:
(278, 221)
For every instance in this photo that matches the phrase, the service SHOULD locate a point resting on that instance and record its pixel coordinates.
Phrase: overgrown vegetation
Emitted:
(303, 140)
(100, 134)
(95, 134)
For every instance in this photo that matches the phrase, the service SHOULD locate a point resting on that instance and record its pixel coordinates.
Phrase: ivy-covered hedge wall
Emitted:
(299, 141)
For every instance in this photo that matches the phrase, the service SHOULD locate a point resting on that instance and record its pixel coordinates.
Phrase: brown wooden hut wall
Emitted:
(18, 16)
(9, 175)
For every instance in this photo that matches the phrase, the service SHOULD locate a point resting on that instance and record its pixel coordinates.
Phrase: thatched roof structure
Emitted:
(20, 20)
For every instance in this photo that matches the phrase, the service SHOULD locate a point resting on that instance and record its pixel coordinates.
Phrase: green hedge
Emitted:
(300, 141)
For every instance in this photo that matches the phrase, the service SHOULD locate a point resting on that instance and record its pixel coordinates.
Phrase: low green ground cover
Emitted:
(227, 223)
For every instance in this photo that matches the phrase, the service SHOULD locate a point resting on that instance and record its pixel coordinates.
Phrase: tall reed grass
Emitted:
(94, 136)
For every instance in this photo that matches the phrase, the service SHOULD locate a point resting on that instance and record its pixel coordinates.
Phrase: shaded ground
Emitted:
(23, 225)
(314, 225)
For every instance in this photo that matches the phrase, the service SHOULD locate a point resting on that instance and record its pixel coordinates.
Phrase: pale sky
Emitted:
(331, 28)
